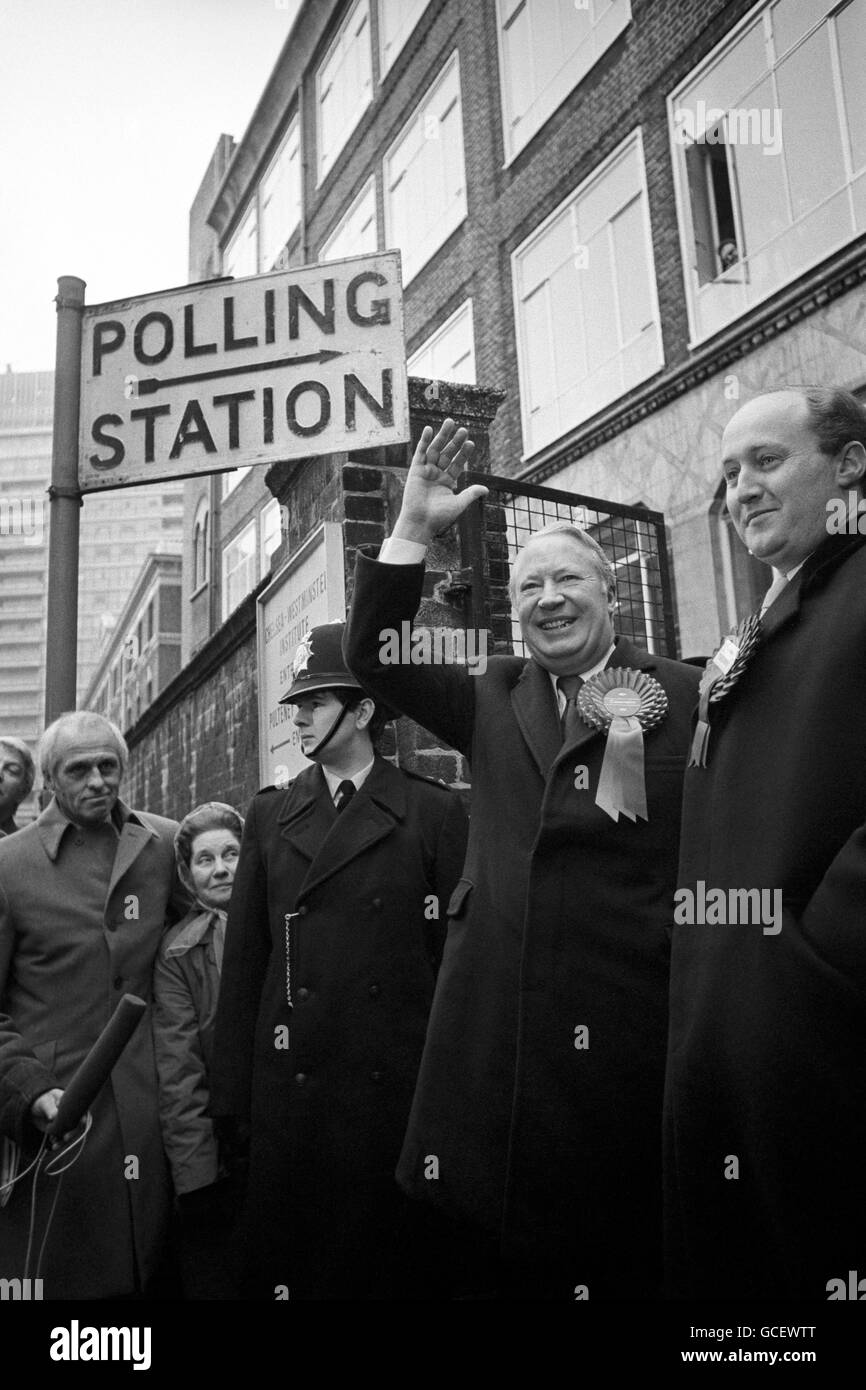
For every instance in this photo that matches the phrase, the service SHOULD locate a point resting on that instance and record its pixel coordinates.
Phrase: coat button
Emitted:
(301, 1078)
(111, 926)
(78, 841)
(377, 902)
(375, 991)
(302, 910)
(118, 982)
(375, 1076)
(303, 994)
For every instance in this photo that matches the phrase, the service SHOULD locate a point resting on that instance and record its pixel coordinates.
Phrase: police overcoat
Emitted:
(540, 1091)
(766, 1091)
(359, 900)
(68, 951)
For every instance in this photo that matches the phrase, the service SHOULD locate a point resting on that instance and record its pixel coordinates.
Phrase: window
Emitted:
(239, 569)
(425, 179)
(769, 141)
(271, 524)
(585, 301)
(356, 232)
(449, 354)
(241, 255)
(546, 47)
(397, 19)
(201, 547)
(231, 479)
(344, 84)
(280, 198)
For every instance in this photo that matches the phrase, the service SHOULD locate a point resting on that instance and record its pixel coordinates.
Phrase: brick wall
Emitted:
(199, 740)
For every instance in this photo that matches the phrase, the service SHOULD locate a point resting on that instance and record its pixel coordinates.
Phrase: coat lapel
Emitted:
(370, 816)
(308, 813)
(133, 838)
(534, 705)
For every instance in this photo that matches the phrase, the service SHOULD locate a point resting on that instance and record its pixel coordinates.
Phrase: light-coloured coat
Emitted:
(68, 951)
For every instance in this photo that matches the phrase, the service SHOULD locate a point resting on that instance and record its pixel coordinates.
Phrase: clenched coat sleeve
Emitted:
(187, 1131)
(441, 698)
(245, 964)
(22, 1077)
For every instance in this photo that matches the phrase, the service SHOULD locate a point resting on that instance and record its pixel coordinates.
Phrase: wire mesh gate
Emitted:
(493, 531)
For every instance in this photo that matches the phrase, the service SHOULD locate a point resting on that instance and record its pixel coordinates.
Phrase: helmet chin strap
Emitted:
(323, 742)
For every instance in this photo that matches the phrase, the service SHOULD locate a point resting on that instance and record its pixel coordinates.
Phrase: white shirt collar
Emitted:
(585, 675)
(333, 779)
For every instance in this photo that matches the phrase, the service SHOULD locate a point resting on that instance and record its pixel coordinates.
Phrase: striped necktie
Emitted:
(570, 720)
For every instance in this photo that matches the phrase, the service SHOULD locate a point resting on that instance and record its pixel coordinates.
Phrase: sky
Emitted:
(109, 113)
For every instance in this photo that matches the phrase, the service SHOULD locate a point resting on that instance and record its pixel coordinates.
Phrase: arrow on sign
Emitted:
(150, 384)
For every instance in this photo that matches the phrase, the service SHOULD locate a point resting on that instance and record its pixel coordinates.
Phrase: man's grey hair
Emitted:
(569, 528)
(20, 747)
(82, 721)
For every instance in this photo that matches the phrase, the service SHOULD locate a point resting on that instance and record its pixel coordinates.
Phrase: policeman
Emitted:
(333, 942)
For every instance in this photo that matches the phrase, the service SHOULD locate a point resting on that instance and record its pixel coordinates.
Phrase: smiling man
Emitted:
(333, 942)
(537, 1115)
(766, 1092)
(85, 892)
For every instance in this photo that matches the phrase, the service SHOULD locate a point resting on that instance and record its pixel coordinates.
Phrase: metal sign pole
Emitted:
(65, 502)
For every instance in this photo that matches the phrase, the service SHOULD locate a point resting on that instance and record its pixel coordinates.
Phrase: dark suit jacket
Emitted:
(560, 922)
(768, 1031)
(327, 1084)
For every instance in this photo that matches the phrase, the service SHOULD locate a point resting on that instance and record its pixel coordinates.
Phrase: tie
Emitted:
(570, 719)
(779, 583)
(345, 792)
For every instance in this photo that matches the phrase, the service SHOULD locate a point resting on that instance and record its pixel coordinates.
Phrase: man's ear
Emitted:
(364, 712)
(851, 468)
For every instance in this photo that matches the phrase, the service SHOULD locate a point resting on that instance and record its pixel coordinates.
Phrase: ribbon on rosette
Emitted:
(721, 674)
(622, 703)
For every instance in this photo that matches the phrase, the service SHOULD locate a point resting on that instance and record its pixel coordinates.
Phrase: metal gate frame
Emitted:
(484, 549)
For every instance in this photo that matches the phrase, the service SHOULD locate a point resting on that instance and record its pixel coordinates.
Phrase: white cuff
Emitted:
(397, 551)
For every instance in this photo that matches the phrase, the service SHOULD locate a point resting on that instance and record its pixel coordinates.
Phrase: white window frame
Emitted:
(326, 252)
(357, 19)
(465, 310)
(634, 137)
(290, 149)
(243, 535)
(757, 16)
(458, 215)
(265, 519)
(231, 479)
(407, 9)
(514, 138)
(248, 227)
(201, 524)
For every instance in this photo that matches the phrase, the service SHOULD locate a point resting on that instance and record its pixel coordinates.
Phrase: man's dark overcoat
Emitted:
(327, 1083)
(559, 923)
(768, 1031)
(70, 947)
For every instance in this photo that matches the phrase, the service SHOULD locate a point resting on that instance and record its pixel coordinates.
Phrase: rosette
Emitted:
(721, 674)
(622, 703)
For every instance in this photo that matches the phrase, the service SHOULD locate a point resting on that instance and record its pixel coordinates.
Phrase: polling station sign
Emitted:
(236, 372)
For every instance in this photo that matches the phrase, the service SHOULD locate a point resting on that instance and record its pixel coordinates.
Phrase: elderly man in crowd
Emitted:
(17, 774)
(84, 895)
(766, 1091)
(537, 1116)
